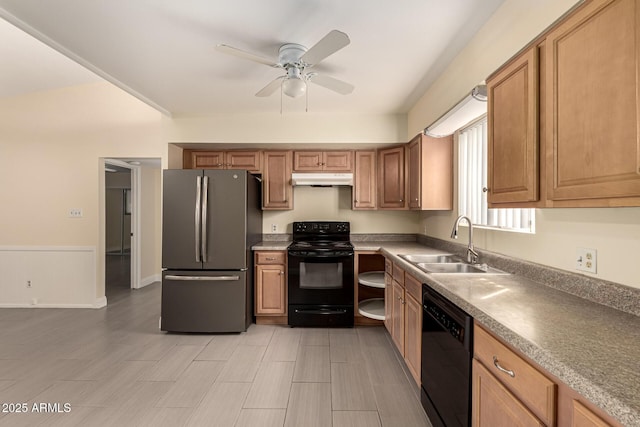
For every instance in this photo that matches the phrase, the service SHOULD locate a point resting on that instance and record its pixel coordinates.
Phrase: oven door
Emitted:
(320, 288)
(318, 278)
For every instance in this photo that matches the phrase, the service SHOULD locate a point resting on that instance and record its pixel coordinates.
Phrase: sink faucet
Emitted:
(472, 255)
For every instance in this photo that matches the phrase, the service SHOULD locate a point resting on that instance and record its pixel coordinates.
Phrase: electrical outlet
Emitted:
(75, 213)
(586, 260)
(28, 283)
(274, 228)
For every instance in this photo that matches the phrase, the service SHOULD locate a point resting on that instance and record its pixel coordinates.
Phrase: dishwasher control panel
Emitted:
(446, 321)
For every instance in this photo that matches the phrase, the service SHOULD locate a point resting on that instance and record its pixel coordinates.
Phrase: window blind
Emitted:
(472, 179)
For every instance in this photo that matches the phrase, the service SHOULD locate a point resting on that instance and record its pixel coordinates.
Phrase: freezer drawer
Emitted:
(205, 301)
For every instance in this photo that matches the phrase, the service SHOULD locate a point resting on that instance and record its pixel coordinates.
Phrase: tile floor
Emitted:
(114, 367)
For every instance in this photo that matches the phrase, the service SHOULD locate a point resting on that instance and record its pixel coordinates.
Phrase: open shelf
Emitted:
(372, 308)
(374, 279)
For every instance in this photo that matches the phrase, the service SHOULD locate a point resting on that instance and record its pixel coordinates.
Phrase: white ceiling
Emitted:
(163, 51)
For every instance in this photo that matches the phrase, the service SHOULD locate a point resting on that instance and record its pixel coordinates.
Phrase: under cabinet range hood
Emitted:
(321, 179)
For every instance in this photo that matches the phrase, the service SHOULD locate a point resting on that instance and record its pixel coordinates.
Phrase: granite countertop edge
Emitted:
(614, 401)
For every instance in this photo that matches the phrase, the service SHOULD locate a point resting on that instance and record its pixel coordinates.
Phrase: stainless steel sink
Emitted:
(439, 258)
(457, 268)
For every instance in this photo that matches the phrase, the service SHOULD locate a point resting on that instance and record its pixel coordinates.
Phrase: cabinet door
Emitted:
(277, 192)
(494, 406)
(270, 289)
(397, 316)
(414, 153)
(337, 161)
(584, 417)
(512, 117)
(430, 173)
(413, 336)
(207, 160)
(307, 161)
(391, 179)
(388, 302)
(592, 103)
(249, 160)
(364, 186)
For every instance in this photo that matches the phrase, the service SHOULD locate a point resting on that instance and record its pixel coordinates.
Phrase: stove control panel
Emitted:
(321, 227)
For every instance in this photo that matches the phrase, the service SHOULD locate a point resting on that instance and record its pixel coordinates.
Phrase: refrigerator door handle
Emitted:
(203, 278)
(198, 224)
(203, 230)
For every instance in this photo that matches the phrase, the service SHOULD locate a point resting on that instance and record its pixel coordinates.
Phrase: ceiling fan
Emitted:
(295, 59)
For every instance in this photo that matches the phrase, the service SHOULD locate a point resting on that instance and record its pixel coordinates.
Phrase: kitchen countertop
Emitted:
(593, 348)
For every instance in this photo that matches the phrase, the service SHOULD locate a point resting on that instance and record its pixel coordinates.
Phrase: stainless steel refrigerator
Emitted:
(210, 220)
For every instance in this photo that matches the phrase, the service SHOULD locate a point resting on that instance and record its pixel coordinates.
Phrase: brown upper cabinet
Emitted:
(430, 172)
(592, 106)
(364, 180)
(250, 160)
(277, 191)
(323, 161)
(564, 114)
(391, 178)
(512, 130)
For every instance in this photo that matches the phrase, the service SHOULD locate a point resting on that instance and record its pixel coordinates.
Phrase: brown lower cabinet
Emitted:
(510, 390)
(271, 287)
(494, 405)
(403, 316)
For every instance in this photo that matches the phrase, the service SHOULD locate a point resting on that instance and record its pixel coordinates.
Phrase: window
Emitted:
(472, 180)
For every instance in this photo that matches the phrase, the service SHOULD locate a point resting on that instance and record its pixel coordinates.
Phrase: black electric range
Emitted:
(321, 274)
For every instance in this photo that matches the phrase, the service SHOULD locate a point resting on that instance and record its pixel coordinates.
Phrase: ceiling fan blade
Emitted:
(335, 85)
(329, 44)
(246, 55)
(270, 88)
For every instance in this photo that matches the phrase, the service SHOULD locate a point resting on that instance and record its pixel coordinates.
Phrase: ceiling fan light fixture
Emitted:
(294, 87)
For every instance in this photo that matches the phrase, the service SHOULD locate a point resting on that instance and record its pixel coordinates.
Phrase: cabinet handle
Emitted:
(281, 273)
(401, 200)
(270, 259)
(485, 190)
(501, 369)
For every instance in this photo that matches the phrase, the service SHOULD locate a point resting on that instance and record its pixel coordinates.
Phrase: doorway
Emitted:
(118, 228)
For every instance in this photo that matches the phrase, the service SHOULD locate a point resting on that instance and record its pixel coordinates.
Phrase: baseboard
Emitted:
(146, 281)
(100, 302)
(97, 304)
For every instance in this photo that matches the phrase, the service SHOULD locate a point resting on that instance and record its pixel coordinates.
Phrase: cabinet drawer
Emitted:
(535, 390)
(413, 287)
(398, 274)
(271, 257)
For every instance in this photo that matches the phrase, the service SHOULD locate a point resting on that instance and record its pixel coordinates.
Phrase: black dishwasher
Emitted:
(447, 349)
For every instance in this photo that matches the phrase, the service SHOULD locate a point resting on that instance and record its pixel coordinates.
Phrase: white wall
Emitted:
(292, 128)
(334, 204)
(50, 148)
(151, 225)
(613, 232)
